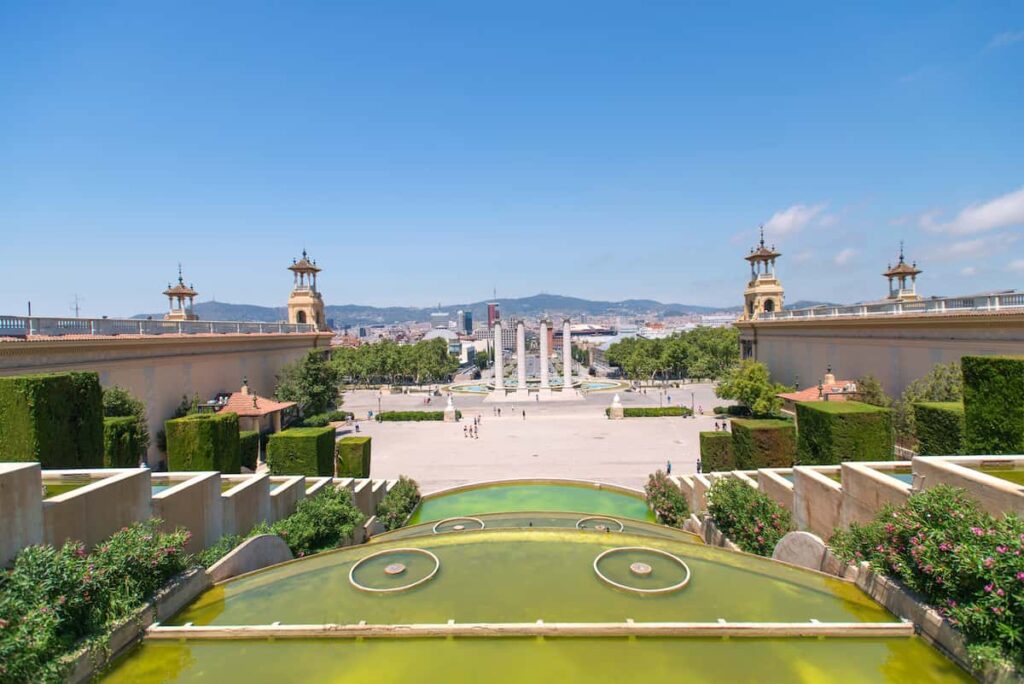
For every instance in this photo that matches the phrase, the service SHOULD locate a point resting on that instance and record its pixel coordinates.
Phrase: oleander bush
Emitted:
(398, 504)
(831, 432)
(413, 416)
(716, 452)
(965, 562)
(763, 443)
(323, 521)
(666, 499)
(748, 517)
(302, 451)
(122, 444)
(53, 418)
(204, 441)
(353, 456)
(993, 404)
(939, 427)
(53, 599)
(249, 448)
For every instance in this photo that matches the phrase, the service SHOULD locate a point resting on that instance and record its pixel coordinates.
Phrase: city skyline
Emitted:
(422, 154)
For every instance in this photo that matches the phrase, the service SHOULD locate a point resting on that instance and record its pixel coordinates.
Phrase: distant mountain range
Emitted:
(354, 314)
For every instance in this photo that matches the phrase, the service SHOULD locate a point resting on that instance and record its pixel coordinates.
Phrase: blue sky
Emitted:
(429, 152)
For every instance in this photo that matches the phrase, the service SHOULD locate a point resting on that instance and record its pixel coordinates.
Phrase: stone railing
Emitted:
(28, 326)
(980, 304)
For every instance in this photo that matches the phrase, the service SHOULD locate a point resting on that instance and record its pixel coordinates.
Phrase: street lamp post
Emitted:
(693, 406)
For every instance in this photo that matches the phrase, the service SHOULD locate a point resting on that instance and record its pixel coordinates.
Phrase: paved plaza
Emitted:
(571, 439)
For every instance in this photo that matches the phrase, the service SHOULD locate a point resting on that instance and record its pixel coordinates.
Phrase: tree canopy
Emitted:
(387, 361)
(750, 385)
(311, 382)
(699, 353)
(118, 401)
(944, 382)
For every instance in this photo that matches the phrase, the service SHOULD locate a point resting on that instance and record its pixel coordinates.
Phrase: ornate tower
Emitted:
(179, 293)
(764, 292)
(899, 273)
(305, 305)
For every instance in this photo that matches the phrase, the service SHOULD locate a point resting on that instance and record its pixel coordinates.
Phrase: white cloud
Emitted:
(845, 256)
(1001, 212)
(1006, 38)
(1016, 265)
(792, 220)
(828, 220)
(803, 256)
(968, 271)
(970, 249)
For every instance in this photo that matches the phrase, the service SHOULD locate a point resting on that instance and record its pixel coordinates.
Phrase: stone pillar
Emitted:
(545, 381)
(450, 416)
(616, 412)
(566, 356)
(521, 355)
(499, 362)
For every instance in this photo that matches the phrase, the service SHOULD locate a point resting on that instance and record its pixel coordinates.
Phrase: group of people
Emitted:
(473, 429)
(722, 427)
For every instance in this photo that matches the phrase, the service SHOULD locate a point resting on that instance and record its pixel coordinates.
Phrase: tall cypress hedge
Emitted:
(939, 427)
(53, 418)
(204, 441)
(716, 452)
(249, 448)
(302, 451)
(993, 404)
(830, 432)
(768, 443)
(122, 445)
(354, 457)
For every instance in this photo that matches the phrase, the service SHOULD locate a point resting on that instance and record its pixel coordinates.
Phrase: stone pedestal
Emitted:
(450, 415)
(616, 412)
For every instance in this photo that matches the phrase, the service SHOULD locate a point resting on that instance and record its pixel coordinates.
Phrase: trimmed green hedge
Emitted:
(716, 452)
(656, 412)
(302, 451)
(204, 441)
(831, 432)
(121, 444)
(939, 427)
(249, 448)
(324, 419)
(734, 410)
(993, 404)
(768, 443)
(53, 418)
(413, 416)
(353, 457)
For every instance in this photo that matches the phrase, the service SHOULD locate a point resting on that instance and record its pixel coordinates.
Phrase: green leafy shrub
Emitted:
(656, 412)
(940, 428)
(320, 522)
(119, 403)
(748, 517)
(353, 456)
(249, 448)
(204, 441)
(122, 446)
(53, 598)
(53, 418)
(398, 504)
(944, 382)
(716, 452)
(666, 499)
(750, 384)
(737, 410)
(324, 419)
(767, 443)
(993, 404)
(831, 432)
(413, 416)
(302, 451)
(966, 563)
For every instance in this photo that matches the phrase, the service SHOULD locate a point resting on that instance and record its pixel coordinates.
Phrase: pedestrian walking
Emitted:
(465, 431)
(668, 467)
(524, 415)
(698, 465)
(499, 412)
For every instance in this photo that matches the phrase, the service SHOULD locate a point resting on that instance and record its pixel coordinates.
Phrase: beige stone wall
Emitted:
(817, 502)
(159, 370)
(21, 508)
(867, 490)
(92, 513)
(247, 504)
(195, 505)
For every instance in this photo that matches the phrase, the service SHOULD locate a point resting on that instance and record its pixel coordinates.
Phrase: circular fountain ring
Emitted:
(643, 570)
(394, 569)
(579, 523)
(457, 528)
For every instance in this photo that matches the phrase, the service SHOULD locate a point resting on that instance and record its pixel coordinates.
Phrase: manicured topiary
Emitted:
(651, 412)
(204, 441)
(830, 432)
(54, 418)
(993, 404)
(939, 427)
(354, 457)
(302, 451)
(716, 452)
(767, 443)
(413, 416)
(249, 448)
(122, 446)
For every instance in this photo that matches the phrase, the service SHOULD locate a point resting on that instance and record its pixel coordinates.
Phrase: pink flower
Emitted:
(989, 562)
(988, 588)
(1020, 576)
(978, 532)
(945, 546)
(1001, 549)
(1000, 592)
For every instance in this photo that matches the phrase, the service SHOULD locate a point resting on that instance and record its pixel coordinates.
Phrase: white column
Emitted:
(545, 381)
(499, 362)
(521, 354)
(566, 355)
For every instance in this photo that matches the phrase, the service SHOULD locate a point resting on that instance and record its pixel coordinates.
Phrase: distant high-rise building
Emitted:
(493, 314)
(439, 319)
(464, 319)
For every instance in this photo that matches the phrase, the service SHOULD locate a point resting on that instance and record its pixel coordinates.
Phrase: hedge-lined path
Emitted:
(571, 440)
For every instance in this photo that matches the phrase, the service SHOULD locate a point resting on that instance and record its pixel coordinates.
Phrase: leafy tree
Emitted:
(750, 385)
(311, 382)
(870, 389)
(699, 353)
(944, 382)
(117, 402)
(483, 359)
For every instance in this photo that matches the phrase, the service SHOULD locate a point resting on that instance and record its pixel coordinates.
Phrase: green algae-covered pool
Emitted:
(540, 660)
(502, 497)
